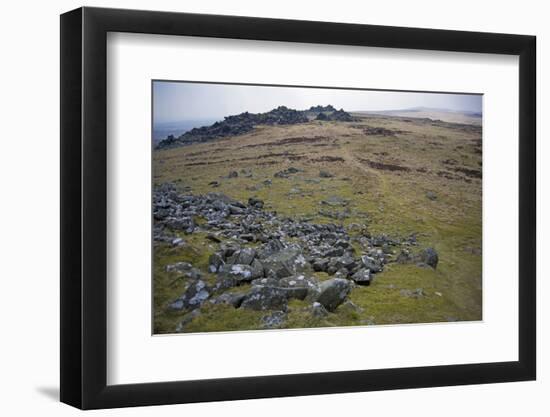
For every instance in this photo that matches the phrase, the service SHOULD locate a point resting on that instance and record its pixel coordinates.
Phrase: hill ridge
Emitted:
(245, 122)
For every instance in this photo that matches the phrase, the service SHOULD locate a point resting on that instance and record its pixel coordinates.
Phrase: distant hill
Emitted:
(446, 115)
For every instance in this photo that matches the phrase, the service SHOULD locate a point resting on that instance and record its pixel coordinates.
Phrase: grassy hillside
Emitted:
(398, 177)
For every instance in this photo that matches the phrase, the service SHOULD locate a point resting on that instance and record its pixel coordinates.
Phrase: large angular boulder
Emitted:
(266, 298)
(285, 262)
(333, 292)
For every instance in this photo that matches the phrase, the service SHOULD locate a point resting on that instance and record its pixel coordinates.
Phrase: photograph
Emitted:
(293, 207)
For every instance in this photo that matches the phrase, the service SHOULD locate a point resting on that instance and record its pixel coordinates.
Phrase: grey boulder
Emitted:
(284, 263)
(429, 257)
(333, 292)
(193, 296)
(362, 277)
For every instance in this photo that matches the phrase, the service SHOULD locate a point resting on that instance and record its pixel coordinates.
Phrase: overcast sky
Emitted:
(178, 101)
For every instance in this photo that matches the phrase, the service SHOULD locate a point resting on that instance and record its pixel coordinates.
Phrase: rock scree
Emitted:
(277, 257)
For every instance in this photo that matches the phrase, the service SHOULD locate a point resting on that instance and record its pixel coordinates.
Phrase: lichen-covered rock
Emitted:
(298, 281)
(234, 299)
(272, 298)
(266, 298)
(193, 297)
(333, 292)
(240, 272)
(362, 277)
(285, 262)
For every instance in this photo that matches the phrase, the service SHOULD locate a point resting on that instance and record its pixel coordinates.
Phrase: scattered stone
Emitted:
(286, 172)
(333, 292)
(233, 174)
(178, 242)
(430, 195)
(429, 257)
(255, 202)
(335, 201)
(418, 293)
(325, 174)
(179, 267)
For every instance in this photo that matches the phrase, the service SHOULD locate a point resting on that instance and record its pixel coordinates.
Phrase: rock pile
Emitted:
(276, 255)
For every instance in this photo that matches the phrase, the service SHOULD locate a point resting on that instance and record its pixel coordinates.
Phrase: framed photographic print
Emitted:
(257, 208)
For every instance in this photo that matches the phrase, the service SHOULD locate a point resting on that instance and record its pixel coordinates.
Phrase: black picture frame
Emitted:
(84, 207)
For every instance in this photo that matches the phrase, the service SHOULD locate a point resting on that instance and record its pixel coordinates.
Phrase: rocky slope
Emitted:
(233, 216)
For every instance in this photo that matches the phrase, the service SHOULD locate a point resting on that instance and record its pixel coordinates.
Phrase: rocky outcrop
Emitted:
(246, 122)
(236, 125)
